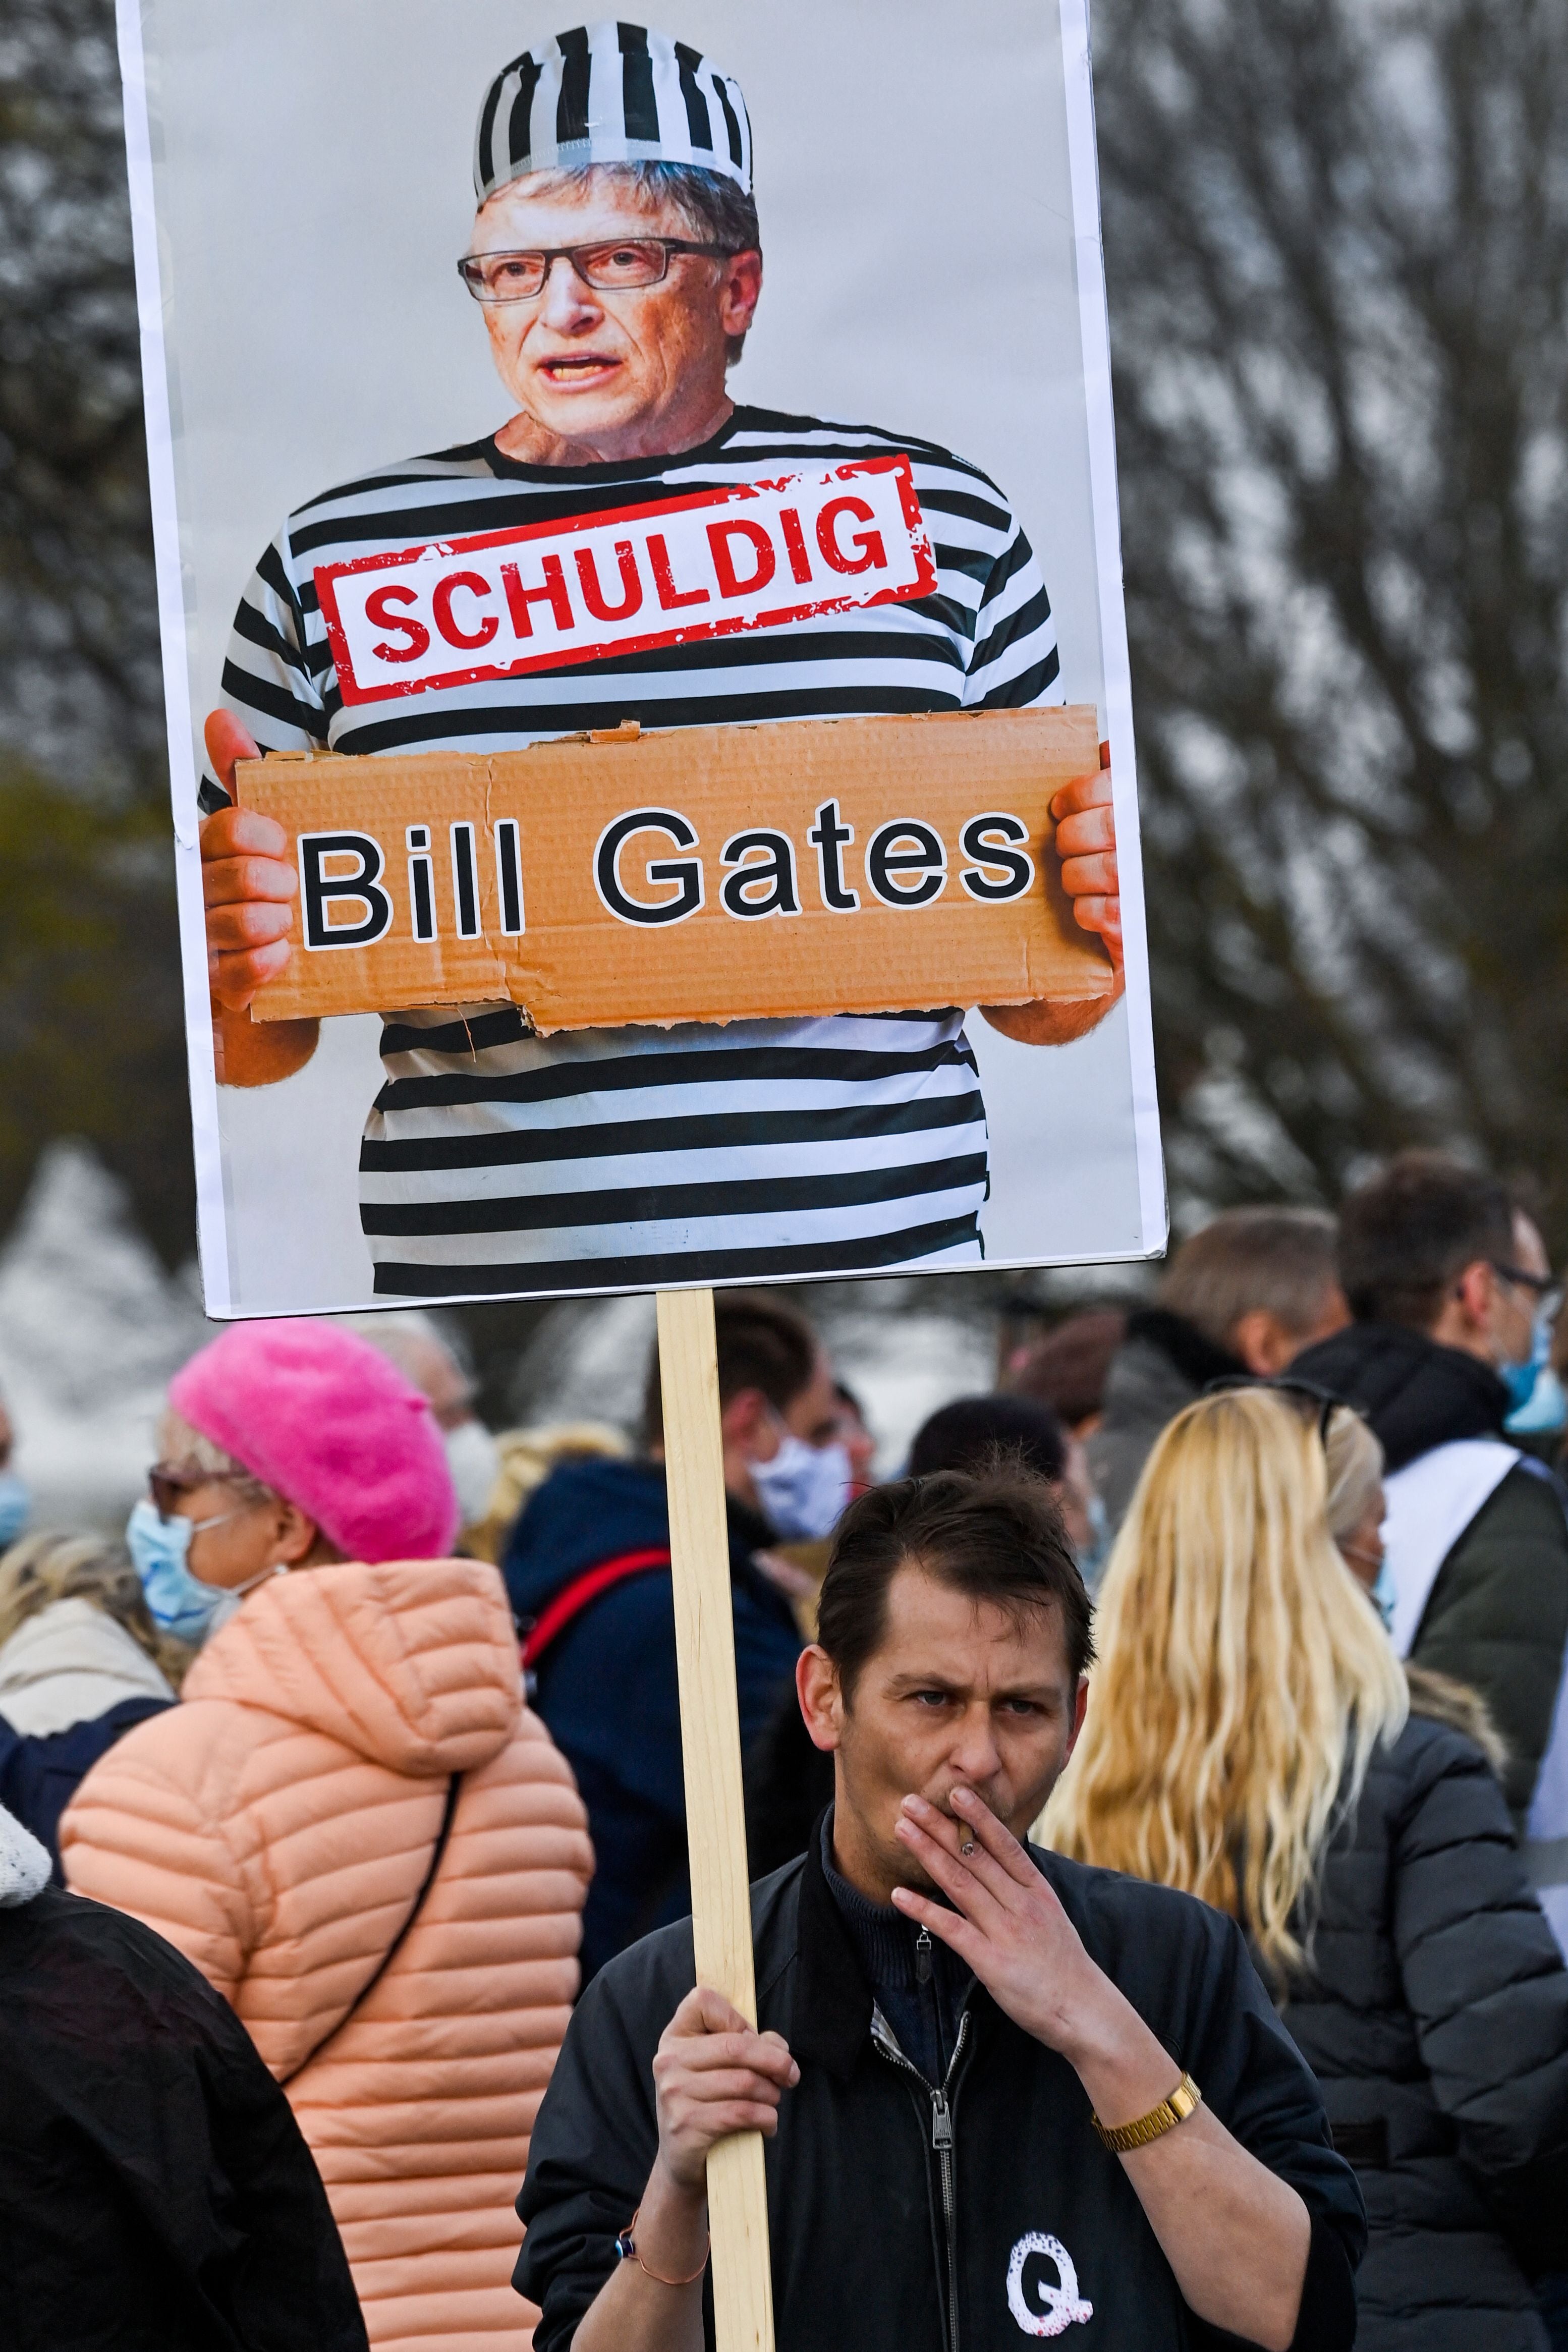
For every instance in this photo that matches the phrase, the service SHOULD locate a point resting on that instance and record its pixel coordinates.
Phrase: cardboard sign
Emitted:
(749, 556)
(696, 873)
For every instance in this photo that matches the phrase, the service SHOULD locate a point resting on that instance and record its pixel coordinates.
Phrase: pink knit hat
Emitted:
(322, 1417)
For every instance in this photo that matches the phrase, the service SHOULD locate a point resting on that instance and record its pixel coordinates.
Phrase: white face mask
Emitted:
(474, 1460)
(805, 1488)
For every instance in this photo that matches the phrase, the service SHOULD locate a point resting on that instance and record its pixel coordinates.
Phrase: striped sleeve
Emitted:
(1015, 664)
(272, 676)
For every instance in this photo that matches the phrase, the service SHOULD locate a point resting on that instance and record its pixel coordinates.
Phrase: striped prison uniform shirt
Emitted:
(497, 1161)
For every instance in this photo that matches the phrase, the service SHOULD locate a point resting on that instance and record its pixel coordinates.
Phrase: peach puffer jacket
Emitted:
(278, 1825)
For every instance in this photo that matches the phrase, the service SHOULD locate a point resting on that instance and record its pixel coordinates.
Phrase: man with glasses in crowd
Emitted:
(616, 260)
(1454, 1300)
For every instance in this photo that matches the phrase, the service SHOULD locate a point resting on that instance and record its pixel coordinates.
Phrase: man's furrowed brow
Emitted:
(897, 1685)
(1046, 1692)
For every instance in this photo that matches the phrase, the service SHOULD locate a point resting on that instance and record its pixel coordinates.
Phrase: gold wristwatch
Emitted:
(1155, 2124)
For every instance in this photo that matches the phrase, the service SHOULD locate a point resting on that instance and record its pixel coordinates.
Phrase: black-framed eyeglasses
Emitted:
(1280, 1385)
(1543, 1285)
(615, 265)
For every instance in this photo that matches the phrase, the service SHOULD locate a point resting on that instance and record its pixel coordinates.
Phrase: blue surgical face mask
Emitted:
(1091, 1562)
(1384, 1595)
(1381, 1592)
(15, 1505)
(804, 1490)
(1536, 1396)
(180, 1602)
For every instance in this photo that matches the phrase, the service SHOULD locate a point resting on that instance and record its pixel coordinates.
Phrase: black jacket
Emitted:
(1436, 2020)
(1496, 1616)
(1415, 1393)
(40, 1772)
(606, 1687)
(155, 2193)
(857, 2182)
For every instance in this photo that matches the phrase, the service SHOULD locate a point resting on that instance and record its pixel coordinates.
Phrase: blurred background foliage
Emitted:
(1337, 250)
(92, 1041)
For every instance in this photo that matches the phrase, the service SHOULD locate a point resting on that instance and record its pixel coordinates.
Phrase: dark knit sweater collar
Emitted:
(887, 1946)
(831, 2016)
(883, 1939)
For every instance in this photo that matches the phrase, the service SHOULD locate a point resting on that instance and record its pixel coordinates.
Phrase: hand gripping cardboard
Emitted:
(693, 874)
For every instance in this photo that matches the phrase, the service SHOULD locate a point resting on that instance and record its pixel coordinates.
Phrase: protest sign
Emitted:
(821, 511)
(704, 874)
(819, 560)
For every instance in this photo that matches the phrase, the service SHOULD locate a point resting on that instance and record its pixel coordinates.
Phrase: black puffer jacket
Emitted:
(1496, 1616)
(1435, 2021)
(155, 2193)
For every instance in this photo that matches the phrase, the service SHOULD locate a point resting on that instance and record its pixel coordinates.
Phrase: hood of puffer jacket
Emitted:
(1415, 1393)
(412, 1664)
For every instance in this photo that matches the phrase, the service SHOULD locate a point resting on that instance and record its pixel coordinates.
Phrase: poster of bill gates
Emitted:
(414, 276)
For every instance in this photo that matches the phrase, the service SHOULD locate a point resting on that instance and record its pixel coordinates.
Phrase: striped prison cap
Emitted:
(610, 93)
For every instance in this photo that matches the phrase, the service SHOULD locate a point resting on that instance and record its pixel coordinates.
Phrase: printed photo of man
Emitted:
(616, 260)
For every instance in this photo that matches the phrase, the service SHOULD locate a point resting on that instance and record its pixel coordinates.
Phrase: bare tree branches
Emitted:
(90, 1030)
(80, 687)
(1337, 243)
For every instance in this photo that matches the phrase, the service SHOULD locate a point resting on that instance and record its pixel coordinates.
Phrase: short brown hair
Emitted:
(1406, 1235)
(1280, 1260)
(995, 1535)
(763, 1344)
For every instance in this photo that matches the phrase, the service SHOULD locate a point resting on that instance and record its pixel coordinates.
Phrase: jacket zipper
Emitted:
(941, 2141)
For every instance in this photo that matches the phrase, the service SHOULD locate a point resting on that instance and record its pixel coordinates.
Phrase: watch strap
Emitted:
(1120, 2138)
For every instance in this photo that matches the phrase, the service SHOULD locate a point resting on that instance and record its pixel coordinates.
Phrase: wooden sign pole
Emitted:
(715, 1817)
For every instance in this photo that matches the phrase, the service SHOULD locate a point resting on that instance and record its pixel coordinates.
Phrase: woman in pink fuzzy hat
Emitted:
(351, 1823)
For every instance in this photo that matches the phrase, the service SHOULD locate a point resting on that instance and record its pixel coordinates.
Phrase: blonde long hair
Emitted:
(54, 1564)
(1244, 1679)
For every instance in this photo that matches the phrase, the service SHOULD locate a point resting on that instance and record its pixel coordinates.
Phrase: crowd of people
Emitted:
(1157, 1798)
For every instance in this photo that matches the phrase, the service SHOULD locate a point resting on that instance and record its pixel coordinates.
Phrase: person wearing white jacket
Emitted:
(80, 1663)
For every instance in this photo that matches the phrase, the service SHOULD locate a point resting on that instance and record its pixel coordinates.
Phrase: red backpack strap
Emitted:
(574, 1597)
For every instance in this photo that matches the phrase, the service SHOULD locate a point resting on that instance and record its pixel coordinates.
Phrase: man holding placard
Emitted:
(1005, 2095)
(585, 565)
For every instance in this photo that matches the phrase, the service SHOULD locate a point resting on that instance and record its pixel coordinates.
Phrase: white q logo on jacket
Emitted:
(1061, 2304)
